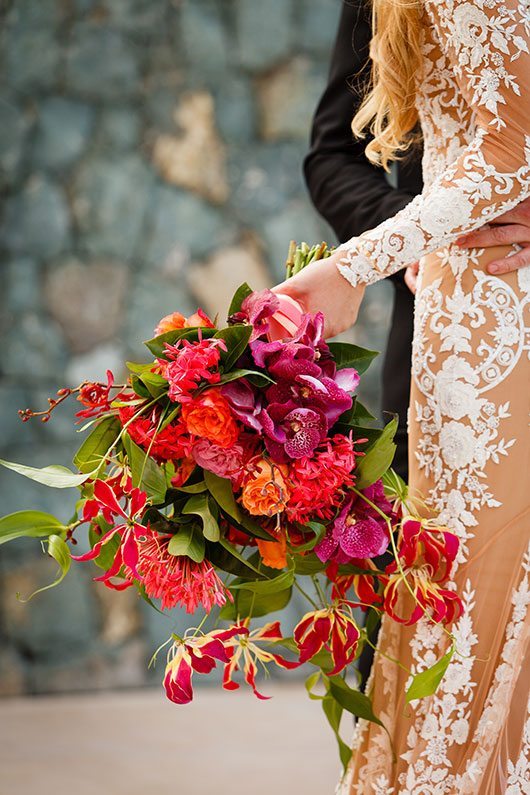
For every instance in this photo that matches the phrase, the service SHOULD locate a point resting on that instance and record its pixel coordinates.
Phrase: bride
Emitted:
(462, 67)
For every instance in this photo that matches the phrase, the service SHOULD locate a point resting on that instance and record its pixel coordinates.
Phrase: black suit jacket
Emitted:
(353, 195)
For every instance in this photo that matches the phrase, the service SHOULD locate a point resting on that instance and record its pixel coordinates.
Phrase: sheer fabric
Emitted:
(468, 417)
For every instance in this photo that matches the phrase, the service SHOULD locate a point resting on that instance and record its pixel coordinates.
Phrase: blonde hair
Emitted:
(388, 110)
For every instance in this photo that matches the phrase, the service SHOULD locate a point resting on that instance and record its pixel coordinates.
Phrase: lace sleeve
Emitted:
(486, 44)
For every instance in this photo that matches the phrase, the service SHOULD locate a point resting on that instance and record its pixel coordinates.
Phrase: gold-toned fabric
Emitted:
(468, 419)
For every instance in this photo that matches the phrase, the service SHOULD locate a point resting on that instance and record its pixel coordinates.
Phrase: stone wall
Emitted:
(150, 159)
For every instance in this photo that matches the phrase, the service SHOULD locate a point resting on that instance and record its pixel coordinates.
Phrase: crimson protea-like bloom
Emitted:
(176, 579)
(187, 363)
(199, 653)
(130, 530)
(330, 628)
(245, 649)
(426, 556)
(171, 443)
(318, 481)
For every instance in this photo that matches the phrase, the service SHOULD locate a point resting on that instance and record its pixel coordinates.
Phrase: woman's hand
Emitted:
(319, 287)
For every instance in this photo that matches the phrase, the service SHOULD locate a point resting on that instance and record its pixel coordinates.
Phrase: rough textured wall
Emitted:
(150, 159)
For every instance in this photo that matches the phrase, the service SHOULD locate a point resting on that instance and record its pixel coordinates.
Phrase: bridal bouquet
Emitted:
(234, 466)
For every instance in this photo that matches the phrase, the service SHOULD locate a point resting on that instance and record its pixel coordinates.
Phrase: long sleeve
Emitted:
(485, 46)
(347, 190)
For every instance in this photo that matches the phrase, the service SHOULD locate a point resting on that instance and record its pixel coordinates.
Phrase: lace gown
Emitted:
(469, 416)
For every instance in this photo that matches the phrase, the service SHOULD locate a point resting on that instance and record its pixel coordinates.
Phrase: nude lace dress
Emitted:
(469, 417)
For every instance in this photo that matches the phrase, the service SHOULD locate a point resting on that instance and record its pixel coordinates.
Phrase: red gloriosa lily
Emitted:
(332, 629)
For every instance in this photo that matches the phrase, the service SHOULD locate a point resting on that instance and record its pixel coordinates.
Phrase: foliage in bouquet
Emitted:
(233, 467)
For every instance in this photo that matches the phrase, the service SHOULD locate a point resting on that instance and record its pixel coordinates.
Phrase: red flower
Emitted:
(246, 647)
(176, 579)
(95, 396)
(199, 653)
(426, 556)
(172, 443)
(364, 585)
(187, 363)
(130, 532)
(318, 481)
(332, 629)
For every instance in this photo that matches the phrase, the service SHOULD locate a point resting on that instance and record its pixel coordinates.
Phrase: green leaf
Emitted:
(333, 712)
(89, 457)
(221, 491)
(395, 486)
(29, 524)
(199, 504)
(193, 488)
(109, 549)
(378, 457)
(266, 587)
(145, 472)
(308, 564)
(352, 700)
(228, 558)
(138, 368)
(348, 355)
(155, 384)
(317, 529)
(426, 683)
(261, 604)
(157, 344)
(258, 378)
(57, 477)
(356, 415)
(188, 541)
(242, 292)
(236, 339)
(59, 550)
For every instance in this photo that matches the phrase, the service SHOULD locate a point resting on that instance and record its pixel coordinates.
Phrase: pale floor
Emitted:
(137, 743)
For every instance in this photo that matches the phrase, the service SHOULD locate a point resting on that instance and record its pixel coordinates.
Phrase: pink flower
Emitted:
(227, 462)
(257, 310)
(188, 363)
(331, 628)
(199, 653)
(291, 431)
(129, 531)
(245, 402)
(176, 579)
(318, 482)
(171, 443)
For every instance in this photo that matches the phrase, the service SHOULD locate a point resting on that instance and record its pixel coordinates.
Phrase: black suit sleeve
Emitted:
(346, 189)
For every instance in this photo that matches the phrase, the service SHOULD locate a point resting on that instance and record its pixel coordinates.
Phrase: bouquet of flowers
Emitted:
(234, 466)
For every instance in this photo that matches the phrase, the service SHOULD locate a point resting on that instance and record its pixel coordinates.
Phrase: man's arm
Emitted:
(347, 190)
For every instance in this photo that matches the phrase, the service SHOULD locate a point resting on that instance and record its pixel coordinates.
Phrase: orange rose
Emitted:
(209, 416)
(265, 491)
(273, 553)
(175, 321)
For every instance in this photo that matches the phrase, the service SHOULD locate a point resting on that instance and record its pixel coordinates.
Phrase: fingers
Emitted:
(502, 235)
(518, 215)
(411, 277)
(510, 264)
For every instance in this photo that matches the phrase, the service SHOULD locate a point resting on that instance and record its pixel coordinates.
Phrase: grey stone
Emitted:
(33, 348)
(26, 14)
(28, 625)
(180, 222)
(32, 59)
(139, 18)
(317, 25)
(101, 63)
(204, 39)
(119, 129)
(87, 300)
(36, 221)
(151, 298)
(14, 127)
(92, 366)
(111, 197)
(22, 285)
(264, 178)
(263, 32)
(298, 221)
(288, 97)
(235, 110)
(63, 132)
(12, 398)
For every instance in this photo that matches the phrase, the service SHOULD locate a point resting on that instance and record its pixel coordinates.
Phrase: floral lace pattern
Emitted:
(472, 335)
